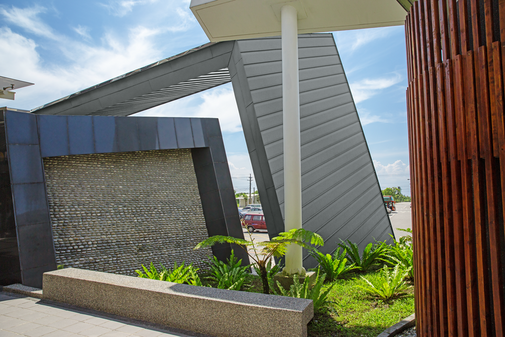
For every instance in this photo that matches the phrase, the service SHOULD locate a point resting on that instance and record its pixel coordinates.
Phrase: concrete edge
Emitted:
(18, 288)
(403, 325)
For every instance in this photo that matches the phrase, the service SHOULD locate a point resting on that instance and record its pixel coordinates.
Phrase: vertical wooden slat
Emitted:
(500, 119)
(444, 33)
(501, 20)
(474, 10)
(463, 26)
(473, 144)
(492, 219)
(455, 175)
(435, 28)
(453, 28)
(432, 147)
(466, 200)
(488, 19)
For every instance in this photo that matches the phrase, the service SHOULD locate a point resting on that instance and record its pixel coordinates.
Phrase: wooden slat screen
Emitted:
(456, 69)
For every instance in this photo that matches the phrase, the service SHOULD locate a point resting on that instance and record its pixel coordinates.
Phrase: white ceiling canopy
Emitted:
(224, 20)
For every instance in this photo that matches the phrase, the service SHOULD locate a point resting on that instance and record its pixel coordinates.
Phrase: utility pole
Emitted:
(250, 182)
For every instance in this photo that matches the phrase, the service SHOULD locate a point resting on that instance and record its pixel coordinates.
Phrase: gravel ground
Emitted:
(408, 333)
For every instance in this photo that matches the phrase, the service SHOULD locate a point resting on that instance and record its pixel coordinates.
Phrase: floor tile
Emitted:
(78, 327)
(129, 328)
(64, 322)
(95, 331)
(9, 322)
(38, 332)
(21, 329)
(5, 333)
(112, 325)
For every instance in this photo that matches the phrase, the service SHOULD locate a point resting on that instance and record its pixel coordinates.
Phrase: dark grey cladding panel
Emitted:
(341, 195)
(148, 127)
(80, 134)
(166, 133)
(22, 127)
(104, 129)
(184, 133)
(53, 133)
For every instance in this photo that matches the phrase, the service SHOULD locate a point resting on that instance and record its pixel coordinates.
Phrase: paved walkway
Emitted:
(27, 316)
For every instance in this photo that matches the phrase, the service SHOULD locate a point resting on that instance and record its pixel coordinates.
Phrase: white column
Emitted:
(291, 132)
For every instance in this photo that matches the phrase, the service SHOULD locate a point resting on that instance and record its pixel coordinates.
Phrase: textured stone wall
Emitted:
(114, 212)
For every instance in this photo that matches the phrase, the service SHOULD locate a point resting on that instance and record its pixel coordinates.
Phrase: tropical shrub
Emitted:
(263, 252)
(388, 284)
(230, 275)
(371, 256)
(179, 274)
(304, 290)
(333, 266)
(402, 253)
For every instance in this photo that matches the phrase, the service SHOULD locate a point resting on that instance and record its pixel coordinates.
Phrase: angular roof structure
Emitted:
(340, 191)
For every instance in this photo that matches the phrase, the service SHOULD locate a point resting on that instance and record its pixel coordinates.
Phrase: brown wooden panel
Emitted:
(457, 143)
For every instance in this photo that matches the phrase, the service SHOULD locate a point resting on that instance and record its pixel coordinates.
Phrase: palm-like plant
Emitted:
(179, 274)
(229, 275)
(263, 252)
(304, 290)
(388, 285)
(370, 257)
(333, 266)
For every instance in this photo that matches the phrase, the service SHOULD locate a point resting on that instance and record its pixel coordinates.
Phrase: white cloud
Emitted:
(82, 65)
(395, 169)
(82, 31)
(240, 169)
(28, 19)
(395, 174)
(123, 7)
(367, 118)
(216, 103)
(350, 41)
(366, 88)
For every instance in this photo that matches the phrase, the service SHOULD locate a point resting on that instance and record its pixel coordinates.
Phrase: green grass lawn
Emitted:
(353, 313)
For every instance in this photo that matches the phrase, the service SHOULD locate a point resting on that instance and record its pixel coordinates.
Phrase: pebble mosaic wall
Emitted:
(113, 212)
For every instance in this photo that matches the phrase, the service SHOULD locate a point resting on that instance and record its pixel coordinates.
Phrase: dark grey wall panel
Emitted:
(340, 193)
(80, 135)
(53, 136)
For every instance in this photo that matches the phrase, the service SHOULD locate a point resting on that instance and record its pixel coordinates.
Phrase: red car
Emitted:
(254, 222)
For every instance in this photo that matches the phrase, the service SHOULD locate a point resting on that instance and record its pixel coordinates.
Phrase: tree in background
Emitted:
(396, 192)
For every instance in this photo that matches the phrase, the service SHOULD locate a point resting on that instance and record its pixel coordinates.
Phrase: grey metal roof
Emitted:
(155, 84)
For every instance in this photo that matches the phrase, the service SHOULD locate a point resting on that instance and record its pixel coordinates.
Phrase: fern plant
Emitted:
(388, 284)
(401, 253)
(230, 275)
(179, 274)
(303, 290)
(333, 266)
(263, 252)
(371, 256)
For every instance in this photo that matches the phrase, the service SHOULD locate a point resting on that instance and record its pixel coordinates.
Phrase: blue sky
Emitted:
(64, 46)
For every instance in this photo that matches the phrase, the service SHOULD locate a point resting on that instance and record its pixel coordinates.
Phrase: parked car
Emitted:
(254, 221)
(248, 209)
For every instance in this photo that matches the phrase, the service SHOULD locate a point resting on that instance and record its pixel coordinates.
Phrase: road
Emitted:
(401, 218)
